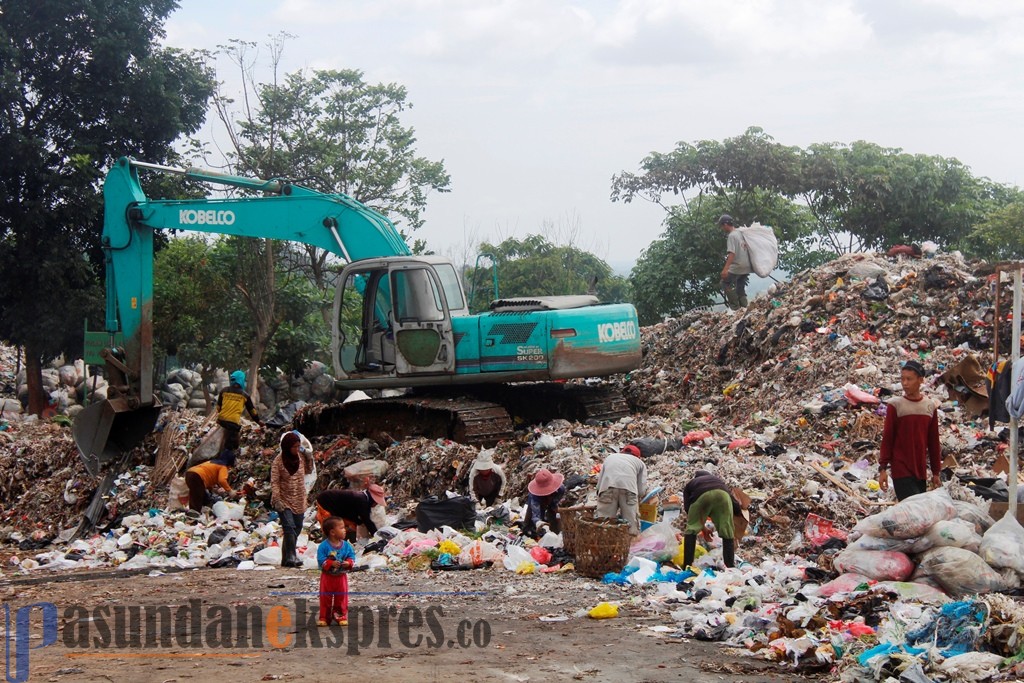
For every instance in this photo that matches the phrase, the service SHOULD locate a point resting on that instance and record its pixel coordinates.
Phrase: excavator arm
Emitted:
(105, 432)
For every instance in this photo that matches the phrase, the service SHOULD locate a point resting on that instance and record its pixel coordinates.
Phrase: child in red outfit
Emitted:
(335, 556)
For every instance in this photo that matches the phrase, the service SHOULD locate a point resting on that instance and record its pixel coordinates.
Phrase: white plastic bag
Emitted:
(1003, 544)
(958, 571)
(954, 533)
(657, 542)
(515, 555)
(225, 510)
(970, 512)
(911, 517)
(762, 247)
(177, 496)
(368, 470)
(270, 555)
(477, 553)
(910, 546)
(874, 564)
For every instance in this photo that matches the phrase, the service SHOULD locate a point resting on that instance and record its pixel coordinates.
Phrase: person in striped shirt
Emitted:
(910, 438)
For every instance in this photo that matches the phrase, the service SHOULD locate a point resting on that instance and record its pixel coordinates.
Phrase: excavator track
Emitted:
(479, 415)
(385, 420)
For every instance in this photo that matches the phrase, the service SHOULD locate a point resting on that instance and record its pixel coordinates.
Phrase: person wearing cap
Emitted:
(206, 476)
(352, 505)
(910, 438)
(230, 405)
(545, 493)
(736, 271)
(486, 479)
(621, 483)
(706, 495)
(288, 495)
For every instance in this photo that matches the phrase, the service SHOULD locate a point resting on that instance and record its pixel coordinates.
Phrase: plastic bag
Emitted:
(874, 564)
(911, 517)
(762, 248)
(844, 583)
(958, 571)
(604, 610)
(210, 446)
(910, 546)
(970, 512)
(477, 553)
(954, 533)
(818, 531)
(657, 542)
(365, 470)
(177, 496)
(699, 552)
(515, 555)
(225, 510)
(540, 554)
(1003, 544)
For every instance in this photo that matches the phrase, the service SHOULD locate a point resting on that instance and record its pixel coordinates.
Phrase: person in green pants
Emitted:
(707, 496)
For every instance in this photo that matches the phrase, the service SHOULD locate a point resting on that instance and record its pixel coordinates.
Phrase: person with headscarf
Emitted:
(288, 495)
(623, 479)
(546, 491)
(486, 479)
(707, 496)
(230, 405)
(355, 506)
(204, 477)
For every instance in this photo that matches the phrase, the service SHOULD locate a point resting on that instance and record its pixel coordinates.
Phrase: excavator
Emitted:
(468, 374)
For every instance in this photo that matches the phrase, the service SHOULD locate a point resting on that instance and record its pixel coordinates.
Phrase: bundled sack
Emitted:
(478, 553)
(969, 512)
(658, 542)
(954, 533)
(1003, 544)
(958, 571)
(762, 247)
(911, 517)
(874, 564)
(210, 446)
(909, 546)
(433, 513)
(844, 583)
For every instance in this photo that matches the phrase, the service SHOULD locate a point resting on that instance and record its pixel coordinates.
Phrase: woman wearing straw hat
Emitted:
(486, 480)
(546, 492)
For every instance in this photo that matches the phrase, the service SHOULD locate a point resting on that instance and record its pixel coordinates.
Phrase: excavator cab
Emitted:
(404, 326)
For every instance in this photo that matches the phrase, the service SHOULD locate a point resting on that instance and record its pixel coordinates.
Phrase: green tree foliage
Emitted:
(202, 313)
(81, 83)
(332, 131)
(821, 201)
(1000, 236)
(865, 197)
(534, 266)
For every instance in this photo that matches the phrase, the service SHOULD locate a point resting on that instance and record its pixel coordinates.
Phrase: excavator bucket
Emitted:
(104, 432)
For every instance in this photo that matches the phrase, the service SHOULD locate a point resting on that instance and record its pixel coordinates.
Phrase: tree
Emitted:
(534, 266)
(334, 132)
(869, 197)
(827, 199)
(81, 83)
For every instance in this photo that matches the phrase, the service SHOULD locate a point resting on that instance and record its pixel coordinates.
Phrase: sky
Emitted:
(533, 105)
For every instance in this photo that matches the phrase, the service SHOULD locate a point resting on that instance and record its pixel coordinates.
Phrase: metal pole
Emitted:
(1015, 360)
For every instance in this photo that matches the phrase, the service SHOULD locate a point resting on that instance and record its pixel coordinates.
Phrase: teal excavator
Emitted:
(466, 373)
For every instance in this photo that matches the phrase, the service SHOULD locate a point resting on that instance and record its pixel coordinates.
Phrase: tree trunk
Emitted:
(37, 398)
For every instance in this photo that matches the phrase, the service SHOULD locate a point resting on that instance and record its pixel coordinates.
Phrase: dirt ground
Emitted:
(507, 632)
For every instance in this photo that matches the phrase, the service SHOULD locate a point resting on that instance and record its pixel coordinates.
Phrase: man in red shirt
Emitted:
(910, 440)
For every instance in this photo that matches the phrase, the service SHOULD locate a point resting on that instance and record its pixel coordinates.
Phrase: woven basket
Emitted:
(601, 546)
(569, 518)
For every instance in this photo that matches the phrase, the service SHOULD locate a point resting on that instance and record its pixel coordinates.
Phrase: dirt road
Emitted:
(486, 625)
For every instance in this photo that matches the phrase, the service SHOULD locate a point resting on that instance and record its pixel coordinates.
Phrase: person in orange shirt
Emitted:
(206, 476)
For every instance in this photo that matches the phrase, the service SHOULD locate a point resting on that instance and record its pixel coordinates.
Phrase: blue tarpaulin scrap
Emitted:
(955, 629)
